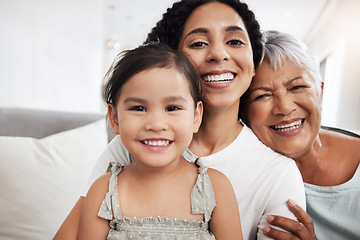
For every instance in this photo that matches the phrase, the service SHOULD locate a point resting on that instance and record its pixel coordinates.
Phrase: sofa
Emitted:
(46, 158)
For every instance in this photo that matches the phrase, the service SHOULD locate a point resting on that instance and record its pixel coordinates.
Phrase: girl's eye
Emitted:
(138, 109)
(235, 42)
(172, 108)
(198, 45)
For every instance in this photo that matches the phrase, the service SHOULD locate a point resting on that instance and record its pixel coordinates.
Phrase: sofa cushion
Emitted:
(41, 179)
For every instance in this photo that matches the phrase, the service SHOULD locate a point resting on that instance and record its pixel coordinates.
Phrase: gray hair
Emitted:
(281, 47)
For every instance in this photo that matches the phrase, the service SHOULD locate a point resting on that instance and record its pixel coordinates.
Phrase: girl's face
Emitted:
(216, 39)
(155, 116)
(284, 109)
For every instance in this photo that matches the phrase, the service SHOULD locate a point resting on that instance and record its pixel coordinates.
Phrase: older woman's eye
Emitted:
(261, 97)
(298, 88)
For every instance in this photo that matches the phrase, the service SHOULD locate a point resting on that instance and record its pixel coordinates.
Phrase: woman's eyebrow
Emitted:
(204, 30)
(196, 30)
(234, 28)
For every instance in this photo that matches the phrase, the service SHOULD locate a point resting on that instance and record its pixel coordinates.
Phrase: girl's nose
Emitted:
(217, 53)
(284, 105)
(156, 122)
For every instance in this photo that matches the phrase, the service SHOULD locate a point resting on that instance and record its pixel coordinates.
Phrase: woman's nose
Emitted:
(217, 53)
(284, 105)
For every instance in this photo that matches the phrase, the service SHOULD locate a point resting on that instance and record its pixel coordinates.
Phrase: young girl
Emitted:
(154, 104)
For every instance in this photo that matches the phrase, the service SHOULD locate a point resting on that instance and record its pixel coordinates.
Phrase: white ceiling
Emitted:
(128, 22)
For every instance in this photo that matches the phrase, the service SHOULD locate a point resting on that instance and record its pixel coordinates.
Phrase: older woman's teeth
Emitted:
(288, 127)
(225, 77)
(156, 143)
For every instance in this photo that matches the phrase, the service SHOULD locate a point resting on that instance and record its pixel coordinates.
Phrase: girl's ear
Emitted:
(113, 118)
(198, 116)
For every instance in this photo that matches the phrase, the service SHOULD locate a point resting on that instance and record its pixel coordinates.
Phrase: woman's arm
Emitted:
(225, 221)
(70, 227)
(304, 229)
(91, 226)
(114, 152)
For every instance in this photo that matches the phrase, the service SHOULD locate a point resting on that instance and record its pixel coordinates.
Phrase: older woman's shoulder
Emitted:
(344, 143)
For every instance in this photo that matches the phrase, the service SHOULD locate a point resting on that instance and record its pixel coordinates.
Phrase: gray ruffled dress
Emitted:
(202, 202)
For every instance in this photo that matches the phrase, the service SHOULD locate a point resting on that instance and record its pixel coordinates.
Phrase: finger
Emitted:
(296, 228)
(278, 234)
(302, 216)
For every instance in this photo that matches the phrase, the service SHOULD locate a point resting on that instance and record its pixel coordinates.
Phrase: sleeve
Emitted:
(286, 184)
(115, 152)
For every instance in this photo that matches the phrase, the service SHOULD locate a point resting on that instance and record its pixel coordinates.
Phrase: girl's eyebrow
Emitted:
(204, 30)
(168, 99)
(134, 99)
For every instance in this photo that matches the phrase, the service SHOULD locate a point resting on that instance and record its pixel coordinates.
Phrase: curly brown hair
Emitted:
(169, 29)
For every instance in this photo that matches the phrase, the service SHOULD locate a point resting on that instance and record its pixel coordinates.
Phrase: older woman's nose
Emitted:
(217, 53)
(283, 105)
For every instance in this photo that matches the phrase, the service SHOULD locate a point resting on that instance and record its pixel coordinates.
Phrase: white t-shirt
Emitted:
(262, 180)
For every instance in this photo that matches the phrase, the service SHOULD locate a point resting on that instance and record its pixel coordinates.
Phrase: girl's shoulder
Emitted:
(101, 184)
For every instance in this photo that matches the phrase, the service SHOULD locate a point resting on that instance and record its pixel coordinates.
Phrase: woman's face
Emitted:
(284, 109)
(216, 39)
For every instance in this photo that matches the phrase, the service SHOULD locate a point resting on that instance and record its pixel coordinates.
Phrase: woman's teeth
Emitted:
(156, 143)
(288, 127)
(225, 77)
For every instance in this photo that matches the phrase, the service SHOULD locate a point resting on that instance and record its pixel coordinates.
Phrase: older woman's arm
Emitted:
(303, 230)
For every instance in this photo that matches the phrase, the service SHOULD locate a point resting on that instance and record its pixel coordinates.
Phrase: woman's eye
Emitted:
(172, 108)
(235, 42)
(138, 109)
(198, 45)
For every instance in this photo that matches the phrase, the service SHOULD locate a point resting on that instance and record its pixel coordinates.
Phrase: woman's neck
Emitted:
(217, 131)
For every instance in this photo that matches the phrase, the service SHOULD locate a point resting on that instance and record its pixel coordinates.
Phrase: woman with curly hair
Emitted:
(223, 40)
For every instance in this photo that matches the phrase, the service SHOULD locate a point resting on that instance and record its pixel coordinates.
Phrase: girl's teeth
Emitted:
(288, 127)
(157, 143)
(225, 77)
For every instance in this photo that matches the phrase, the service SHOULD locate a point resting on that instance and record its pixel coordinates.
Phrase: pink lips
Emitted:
(218, 79)
(156, 145)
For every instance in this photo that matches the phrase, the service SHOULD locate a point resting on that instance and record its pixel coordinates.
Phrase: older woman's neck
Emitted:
(309, 162)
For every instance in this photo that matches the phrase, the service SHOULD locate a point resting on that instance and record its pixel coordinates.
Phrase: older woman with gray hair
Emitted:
(283, 108)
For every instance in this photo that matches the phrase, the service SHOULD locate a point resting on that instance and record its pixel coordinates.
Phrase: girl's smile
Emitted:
(158, 116)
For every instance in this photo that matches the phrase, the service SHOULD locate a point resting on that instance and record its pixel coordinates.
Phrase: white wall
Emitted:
(51, 54)
(337, 37)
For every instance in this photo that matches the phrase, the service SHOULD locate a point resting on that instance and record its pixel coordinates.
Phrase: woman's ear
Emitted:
(113, 118)
(198, 116)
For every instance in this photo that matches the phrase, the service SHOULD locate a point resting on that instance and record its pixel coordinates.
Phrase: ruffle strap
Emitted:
(202, 194)
(111, 200)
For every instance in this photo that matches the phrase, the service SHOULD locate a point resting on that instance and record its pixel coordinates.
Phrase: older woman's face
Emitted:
(284, 109)
(216, 39)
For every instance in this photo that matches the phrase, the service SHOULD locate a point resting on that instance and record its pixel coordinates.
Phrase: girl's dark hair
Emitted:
(170, 28)
(130, 62)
